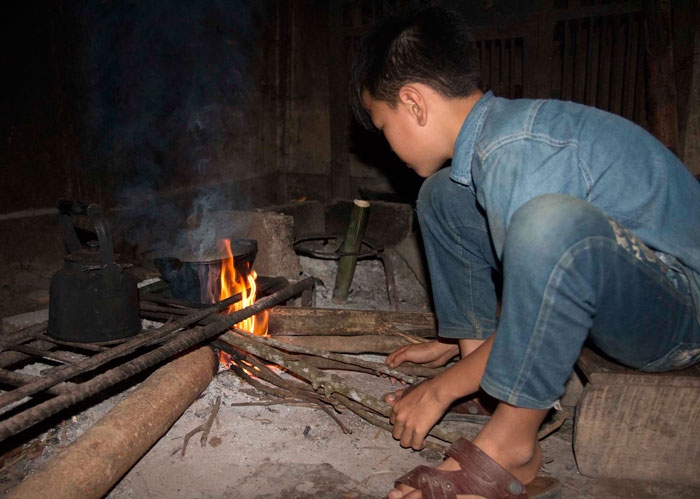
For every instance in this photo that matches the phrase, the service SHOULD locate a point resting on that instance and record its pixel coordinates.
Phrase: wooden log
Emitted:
(351, 244)
(301, 320)
(636, 425)
(347, 344)
(101, 456)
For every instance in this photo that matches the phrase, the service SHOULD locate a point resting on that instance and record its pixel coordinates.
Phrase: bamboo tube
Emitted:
(103, 454)
(351, 244)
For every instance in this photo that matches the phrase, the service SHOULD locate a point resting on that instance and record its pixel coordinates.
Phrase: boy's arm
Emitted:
(418, 408)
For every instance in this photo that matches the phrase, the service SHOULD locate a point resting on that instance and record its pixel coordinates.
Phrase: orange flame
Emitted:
(232, 283)
(227, 361)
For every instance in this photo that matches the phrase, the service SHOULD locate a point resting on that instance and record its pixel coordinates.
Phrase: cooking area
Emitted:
(207, 259)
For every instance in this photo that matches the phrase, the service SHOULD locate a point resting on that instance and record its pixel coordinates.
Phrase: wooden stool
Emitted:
(631, 424)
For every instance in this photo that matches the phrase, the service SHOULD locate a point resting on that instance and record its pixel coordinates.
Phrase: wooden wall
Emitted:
(603, 53)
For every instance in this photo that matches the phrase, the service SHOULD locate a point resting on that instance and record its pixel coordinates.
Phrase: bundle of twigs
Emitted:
(312, 383)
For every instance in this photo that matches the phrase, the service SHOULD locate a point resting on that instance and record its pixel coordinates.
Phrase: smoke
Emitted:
(201, 240)
(161, 79)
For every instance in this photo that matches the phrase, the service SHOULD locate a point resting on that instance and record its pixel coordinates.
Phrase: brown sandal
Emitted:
(480, 475)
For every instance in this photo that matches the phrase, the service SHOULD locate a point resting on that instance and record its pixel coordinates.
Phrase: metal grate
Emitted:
(42, 376)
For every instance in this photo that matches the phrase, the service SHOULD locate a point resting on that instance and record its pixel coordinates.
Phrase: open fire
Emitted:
(232, 282)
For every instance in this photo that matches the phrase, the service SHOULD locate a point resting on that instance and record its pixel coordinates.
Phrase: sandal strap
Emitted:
(485, 476)
(480, 475)
(432, 483)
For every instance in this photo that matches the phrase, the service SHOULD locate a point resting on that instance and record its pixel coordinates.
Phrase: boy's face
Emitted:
(408, 137)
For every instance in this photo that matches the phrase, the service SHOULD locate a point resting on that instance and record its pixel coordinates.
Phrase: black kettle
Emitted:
(92, 299)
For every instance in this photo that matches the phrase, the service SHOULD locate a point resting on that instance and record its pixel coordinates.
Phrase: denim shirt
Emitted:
(510, 151)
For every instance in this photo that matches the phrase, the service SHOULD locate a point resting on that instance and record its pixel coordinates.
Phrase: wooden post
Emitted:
(338, 73)
(351, 244)
(661, 83)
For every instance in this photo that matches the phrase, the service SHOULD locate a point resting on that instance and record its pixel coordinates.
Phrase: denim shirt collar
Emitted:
(466, 140)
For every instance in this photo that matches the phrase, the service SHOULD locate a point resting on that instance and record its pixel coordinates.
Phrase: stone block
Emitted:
(309, 217)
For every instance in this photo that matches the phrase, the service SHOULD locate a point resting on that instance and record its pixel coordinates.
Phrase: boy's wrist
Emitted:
(446, 389)
(449, 346)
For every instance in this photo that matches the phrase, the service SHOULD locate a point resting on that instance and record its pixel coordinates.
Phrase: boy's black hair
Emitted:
(430, 46)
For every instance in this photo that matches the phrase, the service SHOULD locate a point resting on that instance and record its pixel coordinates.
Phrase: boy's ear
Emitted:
(416, 105)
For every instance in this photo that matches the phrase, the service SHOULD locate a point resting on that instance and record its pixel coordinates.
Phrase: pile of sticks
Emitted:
(313, 345)
(315, 379)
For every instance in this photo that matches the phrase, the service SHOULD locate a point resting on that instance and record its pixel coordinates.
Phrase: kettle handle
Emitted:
(104, 236)
(66, 210)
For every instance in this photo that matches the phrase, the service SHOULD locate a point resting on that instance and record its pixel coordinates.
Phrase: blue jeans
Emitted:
(570, 274)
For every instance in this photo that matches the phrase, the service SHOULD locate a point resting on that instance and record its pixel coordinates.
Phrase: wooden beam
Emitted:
(300, 321)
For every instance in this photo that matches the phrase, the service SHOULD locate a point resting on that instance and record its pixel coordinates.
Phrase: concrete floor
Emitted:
(260, 451)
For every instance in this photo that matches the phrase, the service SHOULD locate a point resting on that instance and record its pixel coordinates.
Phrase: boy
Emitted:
(593, 225)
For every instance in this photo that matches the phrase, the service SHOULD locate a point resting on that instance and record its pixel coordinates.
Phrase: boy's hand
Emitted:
(414, 411)
(430, 354)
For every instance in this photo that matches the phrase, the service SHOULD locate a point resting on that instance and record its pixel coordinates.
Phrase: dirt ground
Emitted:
(264, 451)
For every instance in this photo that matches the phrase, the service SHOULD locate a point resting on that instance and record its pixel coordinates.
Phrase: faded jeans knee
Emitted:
(545, 227)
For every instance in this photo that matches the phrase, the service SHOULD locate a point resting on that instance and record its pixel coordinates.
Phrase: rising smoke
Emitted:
(161, 79)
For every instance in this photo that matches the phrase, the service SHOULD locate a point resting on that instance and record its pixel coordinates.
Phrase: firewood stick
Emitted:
(345, 344)
(377, 367)
(293, 321)
(376, 421)
(289, 387)
(284, 389)
(205, 428)
(385, 258)
(391, 330)
(409, 369)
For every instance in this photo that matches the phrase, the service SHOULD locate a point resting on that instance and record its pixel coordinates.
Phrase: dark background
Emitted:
(156, 110)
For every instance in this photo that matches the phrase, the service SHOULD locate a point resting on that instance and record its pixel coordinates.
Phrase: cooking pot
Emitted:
(197, 279)
(93, 298)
